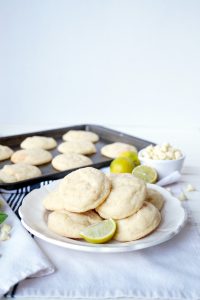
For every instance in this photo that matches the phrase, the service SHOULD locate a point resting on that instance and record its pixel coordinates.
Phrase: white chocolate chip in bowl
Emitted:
(165, 158)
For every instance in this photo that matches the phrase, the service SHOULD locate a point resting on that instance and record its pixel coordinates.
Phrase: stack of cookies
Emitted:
(87, 196)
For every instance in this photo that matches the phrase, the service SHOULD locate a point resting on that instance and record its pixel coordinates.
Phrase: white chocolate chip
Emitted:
(162, 156)
(161, 152)
(5, 230)
(4, 236)
(177, 154)
(169, 154)
(166, 144)
(164, 148)
(182, 196)
(190, 188)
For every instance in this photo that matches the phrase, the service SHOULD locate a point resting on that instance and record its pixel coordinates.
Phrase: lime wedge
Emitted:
(99, 233)
(148, 174)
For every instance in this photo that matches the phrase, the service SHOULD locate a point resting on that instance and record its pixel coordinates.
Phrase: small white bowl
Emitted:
(163, 167)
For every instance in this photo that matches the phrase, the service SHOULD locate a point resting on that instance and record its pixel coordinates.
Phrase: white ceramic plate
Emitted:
(34, 218)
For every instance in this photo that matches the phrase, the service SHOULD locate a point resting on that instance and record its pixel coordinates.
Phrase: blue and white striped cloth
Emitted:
(14, 198)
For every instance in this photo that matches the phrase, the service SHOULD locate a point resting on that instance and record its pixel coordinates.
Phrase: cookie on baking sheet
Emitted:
(68, 161)
(80, 147)
(5, 152)
(70, 224)
(80, 135)
(139, 224)
(127, 196)
(18, 172)
(42, 142)
(115, 149)
(155, 198)
(35, 156)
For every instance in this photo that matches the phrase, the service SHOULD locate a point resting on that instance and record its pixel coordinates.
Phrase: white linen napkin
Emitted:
(167, 271)
(171, 178)
(20, 256)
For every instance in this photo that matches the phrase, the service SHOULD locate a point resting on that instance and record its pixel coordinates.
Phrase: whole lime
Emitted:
(121, 165)
(133, 156)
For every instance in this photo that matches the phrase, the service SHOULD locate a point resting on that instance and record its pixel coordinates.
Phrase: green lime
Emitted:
(148, 174)
(121, 165)
(132, 155)
(99, 233)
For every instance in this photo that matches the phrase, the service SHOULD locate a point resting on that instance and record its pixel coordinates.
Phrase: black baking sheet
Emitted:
(106, 135)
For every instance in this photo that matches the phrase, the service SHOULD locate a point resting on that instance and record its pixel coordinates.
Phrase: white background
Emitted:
(130, 63)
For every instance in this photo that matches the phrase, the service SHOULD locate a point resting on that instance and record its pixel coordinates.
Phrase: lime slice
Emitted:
(132, 155)
(148, 174)
(121, 165)
(99, 233)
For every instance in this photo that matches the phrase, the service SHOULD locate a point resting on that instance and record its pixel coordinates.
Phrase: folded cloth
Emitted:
(171, 178)
(20, 256)
(15, 197)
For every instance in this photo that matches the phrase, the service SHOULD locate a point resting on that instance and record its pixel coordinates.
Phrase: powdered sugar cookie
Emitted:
(127, 196)
(115, 149)
(155, 198)
(35, 156)
(18, 172)
(80, 135)
(139, 224)
(70, 224)
(42, 142)
(5, 152)
(80, 147)
(79, 191)
(68, 161)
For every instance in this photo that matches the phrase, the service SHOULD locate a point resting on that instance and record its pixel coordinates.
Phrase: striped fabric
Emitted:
(14, 198)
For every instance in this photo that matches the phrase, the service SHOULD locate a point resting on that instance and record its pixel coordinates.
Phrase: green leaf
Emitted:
(3, 216)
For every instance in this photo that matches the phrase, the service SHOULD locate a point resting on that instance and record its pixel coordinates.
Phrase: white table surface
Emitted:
(186, 139)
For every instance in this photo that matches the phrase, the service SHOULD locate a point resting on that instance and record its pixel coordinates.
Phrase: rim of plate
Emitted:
(107, 247)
